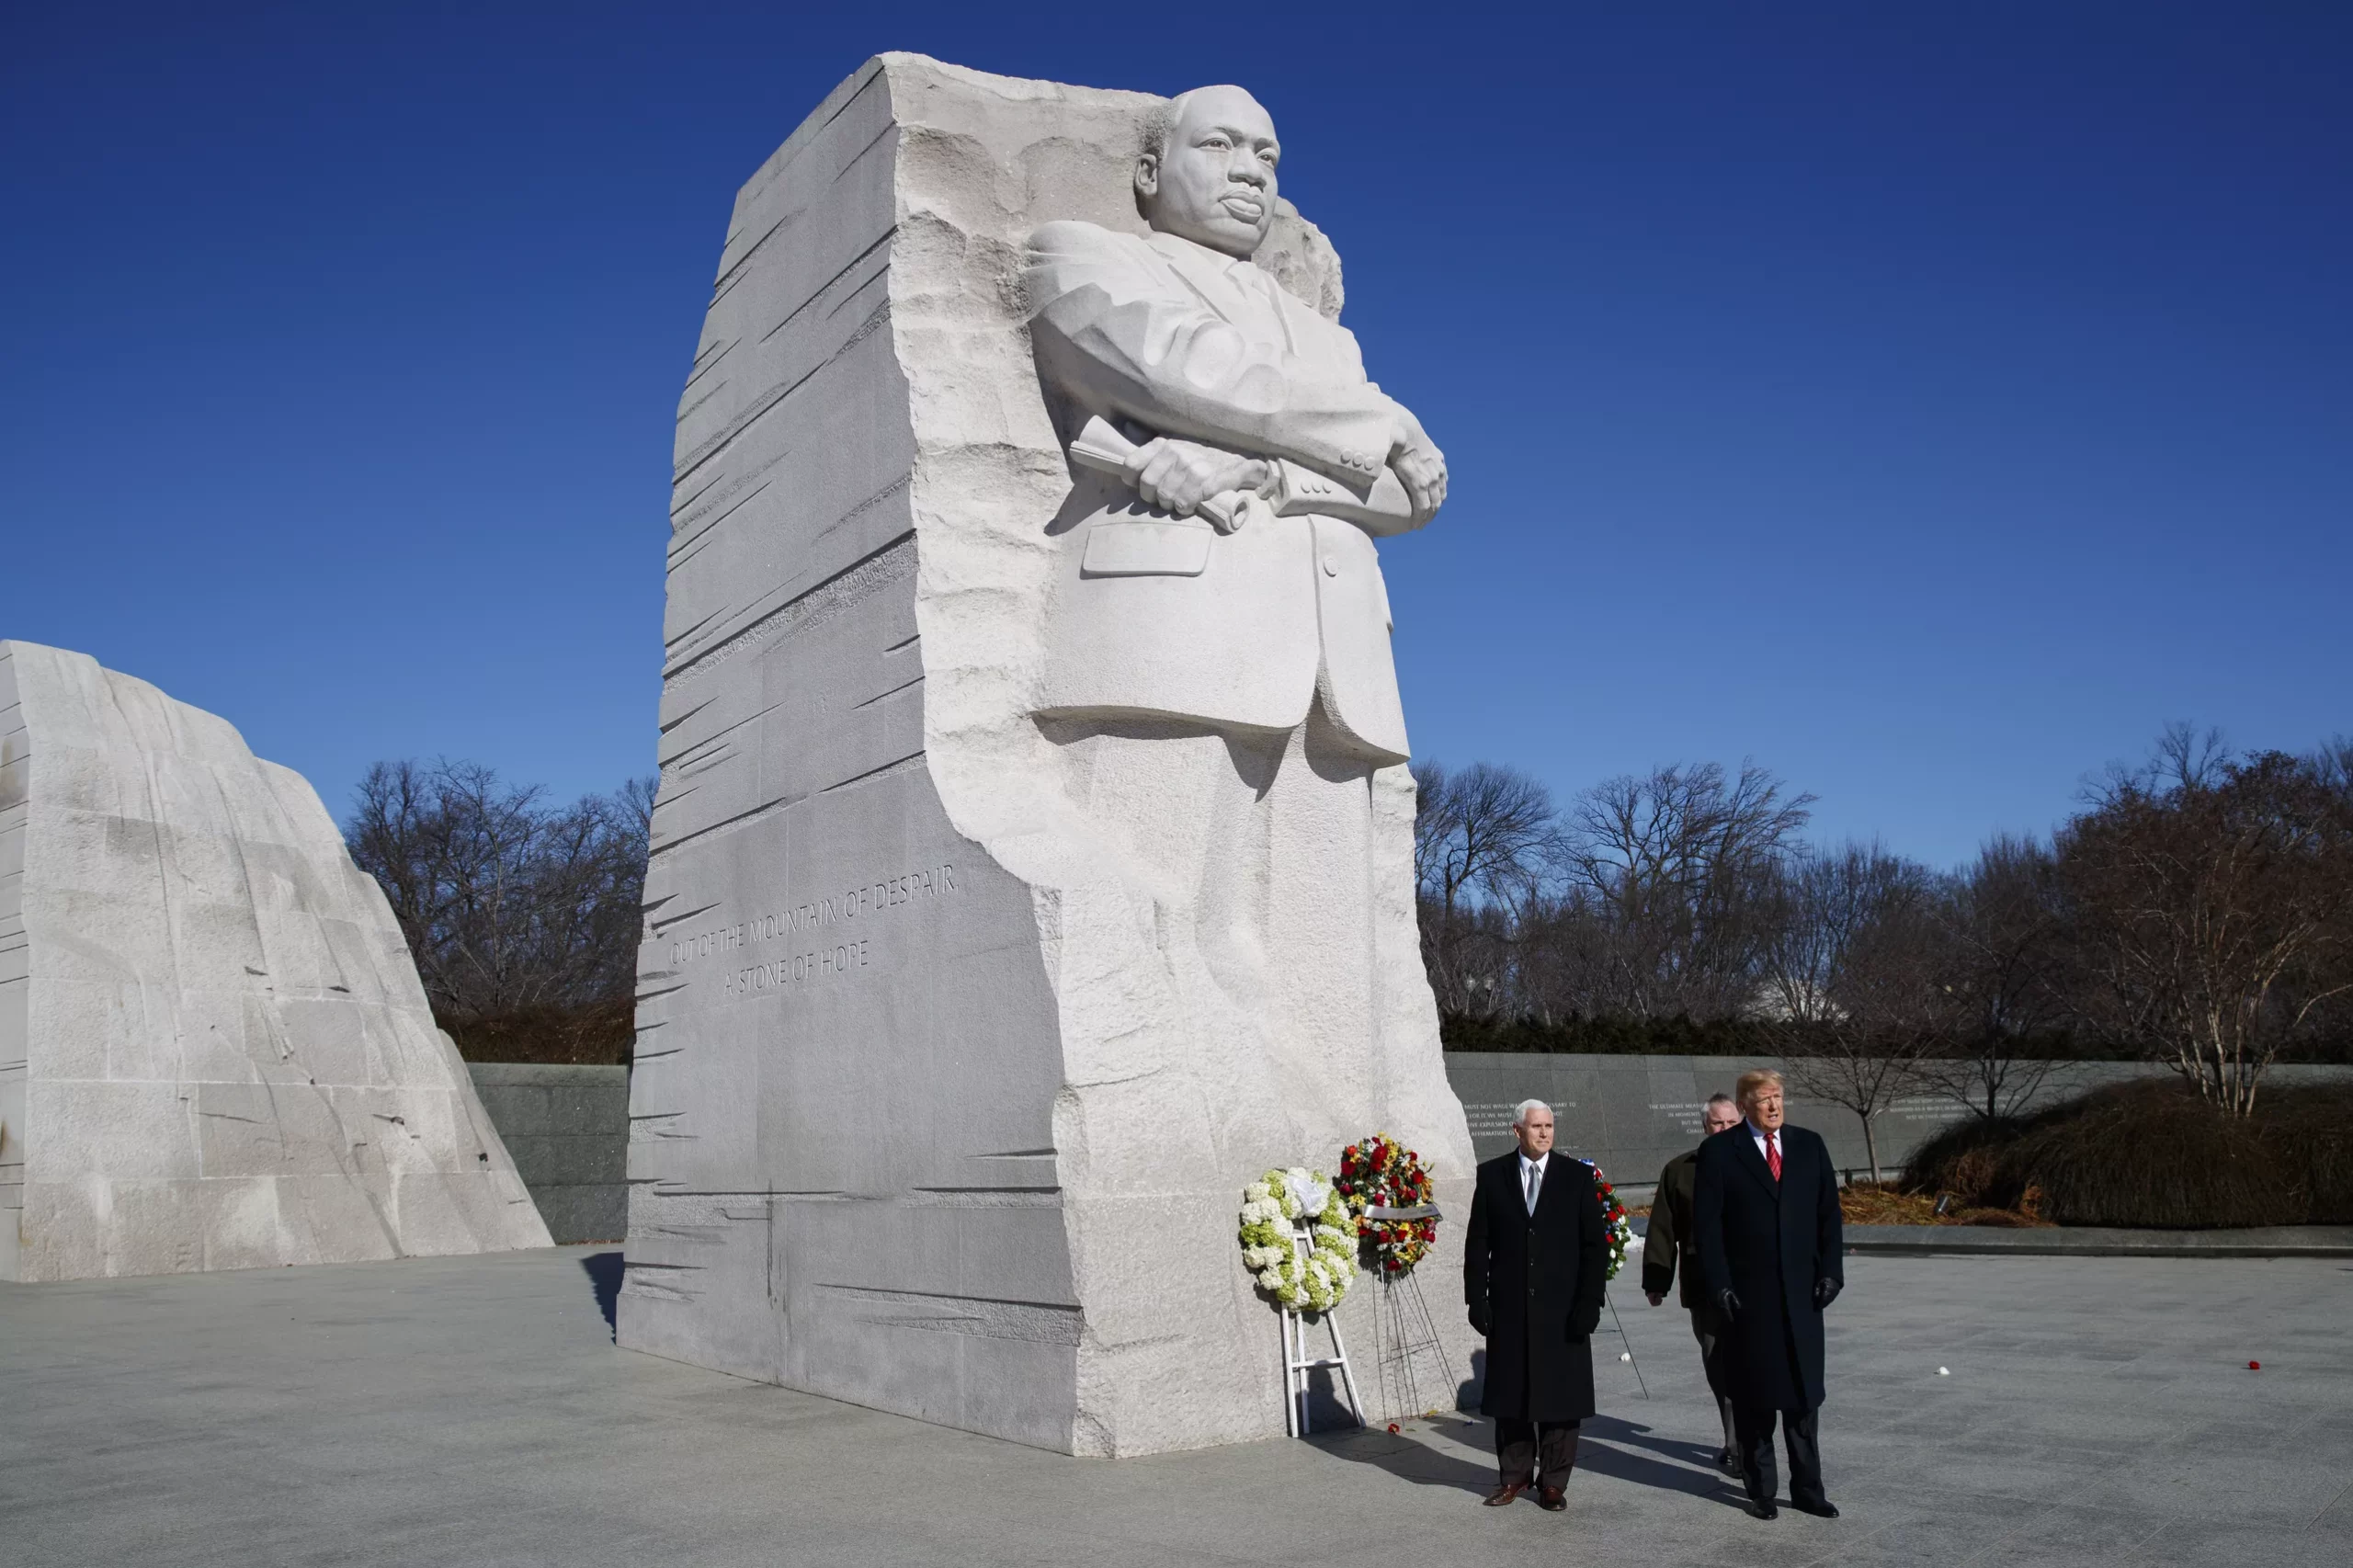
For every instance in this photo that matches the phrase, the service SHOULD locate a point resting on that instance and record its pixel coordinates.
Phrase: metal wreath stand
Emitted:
(1401, 1327)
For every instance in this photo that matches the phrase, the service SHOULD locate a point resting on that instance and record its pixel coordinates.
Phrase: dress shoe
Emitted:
(1763, 1511)
(1552, 1499)
(1825, 1509)
(1507, 1493)
(1728, 1462)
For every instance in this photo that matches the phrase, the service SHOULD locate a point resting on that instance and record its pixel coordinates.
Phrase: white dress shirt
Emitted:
(1768, 1143)
(1531, 1178)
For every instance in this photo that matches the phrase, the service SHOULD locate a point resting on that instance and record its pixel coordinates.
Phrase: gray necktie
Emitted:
(1529, 1173)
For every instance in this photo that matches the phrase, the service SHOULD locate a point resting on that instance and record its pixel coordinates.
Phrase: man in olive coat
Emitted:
(1765, 1210)
(1535, 1257)
(1670, 1246)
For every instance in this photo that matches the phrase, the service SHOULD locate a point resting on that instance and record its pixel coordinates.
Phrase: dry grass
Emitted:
(1871, 1203)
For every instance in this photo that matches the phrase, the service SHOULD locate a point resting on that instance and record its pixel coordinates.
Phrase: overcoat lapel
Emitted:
(1754, 1163)
(1553, 1182)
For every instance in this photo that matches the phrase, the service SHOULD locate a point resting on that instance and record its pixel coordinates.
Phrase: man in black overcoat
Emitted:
(1764, 1212)
(1535, 1257)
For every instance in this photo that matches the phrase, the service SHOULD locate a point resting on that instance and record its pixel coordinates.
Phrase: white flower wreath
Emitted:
(1269, 1206)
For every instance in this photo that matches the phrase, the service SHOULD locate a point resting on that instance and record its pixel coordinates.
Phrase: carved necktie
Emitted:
(1773, 1154)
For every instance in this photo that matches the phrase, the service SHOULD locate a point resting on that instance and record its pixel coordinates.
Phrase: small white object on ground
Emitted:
(1625, 1354)
(1944, 1372)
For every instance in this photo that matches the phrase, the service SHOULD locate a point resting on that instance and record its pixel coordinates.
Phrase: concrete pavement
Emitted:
(473, 1411)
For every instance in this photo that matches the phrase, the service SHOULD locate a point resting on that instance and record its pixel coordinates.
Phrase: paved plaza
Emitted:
(473, 1411)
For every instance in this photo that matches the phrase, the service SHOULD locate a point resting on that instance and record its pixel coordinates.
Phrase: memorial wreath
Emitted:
(1381, 1172)
(1315, 1281)
(1613, 1219)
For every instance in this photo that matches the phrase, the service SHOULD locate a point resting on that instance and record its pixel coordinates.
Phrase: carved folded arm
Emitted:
(1380, 508)
(1118, 339)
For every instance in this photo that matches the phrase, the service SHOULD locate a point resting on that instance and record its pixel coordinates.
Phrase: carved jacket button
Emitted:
(1331, 566)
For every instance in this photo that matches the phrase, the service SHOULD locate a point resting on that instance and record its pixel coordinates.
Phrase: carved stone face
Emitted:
(1215, 182)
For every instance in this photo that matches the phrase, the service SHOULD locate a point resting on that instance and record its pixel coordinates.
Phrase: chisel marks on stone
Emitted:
(1040, 1323)
(912, 681)
(725, 436)
(906, 761)
(888, 563)
(845, 270)
(759, 812)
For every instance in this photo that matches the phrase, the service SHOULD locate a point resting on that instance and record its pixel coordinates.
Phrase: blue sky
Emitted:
(1927, 401)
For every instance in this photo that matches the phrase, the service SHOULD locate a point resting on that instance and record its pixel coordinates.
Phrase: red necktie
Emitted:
(1773, 1154)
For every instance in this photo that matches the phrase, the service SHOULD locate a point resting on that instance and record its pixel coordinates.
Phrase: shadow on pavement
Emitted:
(604, 1271)
(1439, 1454)
(1697, 1475)
(1699, 1455)
(1408, 1459)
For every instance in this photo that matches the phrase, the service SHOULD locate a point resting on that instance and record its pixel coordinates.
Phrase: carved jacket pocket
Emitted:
(1147, 549)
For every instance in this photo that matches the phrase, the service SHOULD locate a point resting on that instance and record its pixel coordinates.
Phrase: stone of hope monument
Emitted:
(1032, 867)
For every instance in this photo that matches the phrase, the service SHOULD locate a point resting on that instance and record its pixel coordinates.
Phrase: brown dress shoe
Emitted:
(1552, 1499)
(1507, 1493)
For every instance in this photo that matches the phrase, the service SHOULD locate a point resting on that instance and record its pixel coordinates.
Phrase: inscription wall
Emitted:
(845, 948)
(1633, 1113)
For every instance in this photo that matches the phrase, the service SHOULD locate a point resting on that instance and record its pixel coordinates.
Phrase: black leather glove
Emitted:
(1582, 1325)
(1824, 1292)
(1729, 1304)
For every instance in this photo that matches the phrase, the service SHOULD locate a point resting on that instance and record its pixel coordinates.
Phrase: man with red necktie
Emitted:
(1765, 1214)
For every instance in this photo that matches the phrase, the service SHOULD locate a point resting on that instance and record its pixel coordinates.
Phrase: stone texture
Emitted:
(214, 1051)
(567, 1127)
(924, 1115)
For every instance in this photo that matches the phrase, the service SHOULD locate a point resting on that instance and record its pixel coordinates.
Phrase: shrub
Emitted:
(2155, 1153)
(1964, 1158)
(2311, 1132)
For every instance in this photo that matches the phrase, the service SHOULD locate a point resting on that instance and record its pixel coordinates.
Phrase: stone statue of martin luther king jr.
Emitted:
(1217, 650)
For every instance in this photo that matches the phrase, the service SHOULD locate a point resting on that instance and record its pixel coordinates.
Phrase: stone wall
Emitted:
(1632, 1113)
(567, 1129)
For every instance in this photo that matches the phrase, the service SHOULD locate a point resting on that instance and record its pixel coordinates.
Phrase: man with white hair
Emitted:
(1535, 1256)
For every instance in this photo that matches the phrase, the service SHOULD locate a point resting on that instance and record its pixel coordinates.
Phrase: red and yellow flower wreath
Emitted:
(1381, 1173)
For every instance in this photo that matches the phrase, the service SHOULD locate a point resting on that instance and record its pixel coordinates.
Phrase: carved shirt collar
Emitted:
(1177, 247)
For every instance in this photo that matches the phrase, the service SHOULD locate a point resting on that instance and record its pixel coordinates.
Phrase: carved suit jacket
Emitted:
(1155, 614)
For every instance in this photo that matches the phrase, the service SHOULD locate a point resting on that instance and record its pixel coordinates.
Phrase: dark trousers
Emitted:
(1754, 1425)
(1708, 1328)
(1520, 1445)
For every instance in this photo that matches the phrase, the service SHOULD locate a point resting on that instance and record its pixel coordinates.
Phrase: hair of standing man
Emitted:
(1519, 1112)
(1752, 1081)
(1719, 1097)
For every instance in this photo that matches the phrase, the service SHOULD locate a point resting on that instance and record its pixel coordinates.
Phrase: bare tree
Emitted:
(1667, 881)
(514, 909)
(1481, 838)
(2003, 975)
(2212, 901)
(1851, 972)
